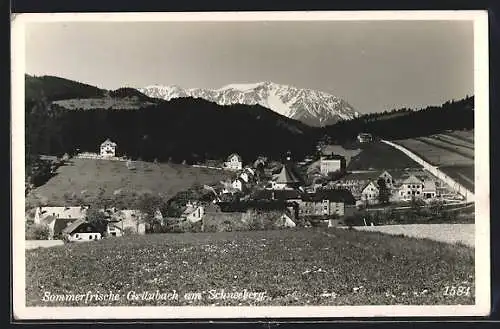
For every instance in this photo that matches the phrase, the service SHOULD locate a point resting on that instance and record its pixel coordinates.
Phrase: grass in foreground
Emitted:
(292, 267)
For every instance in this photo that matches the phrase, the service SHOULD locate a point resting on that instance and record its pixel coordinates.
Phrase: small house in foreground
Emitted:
(80, 231)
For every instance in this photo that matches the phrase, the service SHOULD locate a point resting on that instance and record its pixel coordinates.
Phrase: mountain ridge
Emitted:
(312, 107)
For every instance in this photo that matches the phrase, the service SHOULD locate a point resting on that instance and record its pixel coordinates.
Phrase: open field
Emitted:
(85, 177)
(452, 152)
(434, 155)
(380, 156)
(289, 267)
(442, 149)
(450, 233)
(33, 244)
(462, 174)
(465, 135)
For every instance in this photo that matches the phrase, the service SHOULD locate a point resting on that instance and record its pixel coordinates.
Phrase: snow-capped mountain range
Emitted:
(312, 107)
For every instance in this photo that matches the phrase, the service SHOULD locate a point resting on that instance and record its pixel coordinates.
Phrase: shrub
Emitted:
(37, 232)
(127, 231)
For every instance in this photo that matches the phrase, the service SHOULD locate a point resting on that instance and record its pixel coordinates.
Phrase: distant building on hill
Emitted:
(108, 148)
(365, 138)
(234, 162)
(332, 163)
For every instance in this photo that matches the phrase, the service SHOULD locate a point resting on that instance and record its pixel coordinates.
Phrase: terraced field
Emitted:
(452, 152)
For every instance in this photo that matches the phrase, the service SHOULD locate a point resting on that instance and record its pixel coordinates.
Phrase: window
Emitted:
(76, 235)
(418, 192)
(409, 192)
(90, 237)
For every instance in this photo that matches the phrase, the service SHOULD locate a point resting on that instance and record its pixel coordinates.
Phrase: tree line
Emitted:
(406, 123)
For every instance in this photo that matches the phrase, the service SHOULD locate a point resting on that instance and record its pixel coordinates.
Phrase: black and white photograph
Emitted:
(248, 165)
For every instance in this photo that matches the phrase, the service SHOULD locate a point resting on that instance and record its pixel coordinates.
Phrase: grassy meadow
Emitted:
(85, 177)
(380, 156)
(290, 267)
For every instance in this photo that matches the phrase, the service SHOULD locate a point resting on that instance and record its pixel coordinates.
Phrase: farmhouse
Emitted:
(127, 219)
(193, 212)
(108, 148)
(430, 189)
(369, 194)
(55, 225)
(71, 213)
(411, 187)
(234, 162)
(326, 202)
(80, 230)
(332, 163)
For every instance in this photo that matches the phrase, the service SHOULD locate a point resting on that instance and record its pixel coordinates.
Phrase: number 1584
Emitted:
(456, 291)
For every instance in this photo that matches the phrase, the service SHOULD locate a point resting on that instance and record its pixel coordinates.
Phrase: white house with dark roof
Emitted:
(411, 187)
(80, 230)
(193, 212)
(108, 148)
(369, 193)
(234, 162)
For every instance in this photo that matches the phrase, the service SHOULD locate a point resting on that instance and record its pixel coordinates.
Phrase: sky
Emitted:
(373, 65)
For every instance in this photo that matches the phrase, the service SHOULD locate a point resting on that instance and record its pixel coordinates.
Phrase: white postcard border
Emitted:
(482, 229)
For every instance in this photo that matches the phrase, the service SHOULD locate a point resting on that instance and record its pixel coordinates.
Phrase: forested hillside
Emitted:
(406, 123)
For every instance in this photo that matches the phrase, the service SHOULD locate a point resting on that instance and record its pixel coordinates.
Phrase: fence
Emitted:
(96, 156)
(454, 185)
